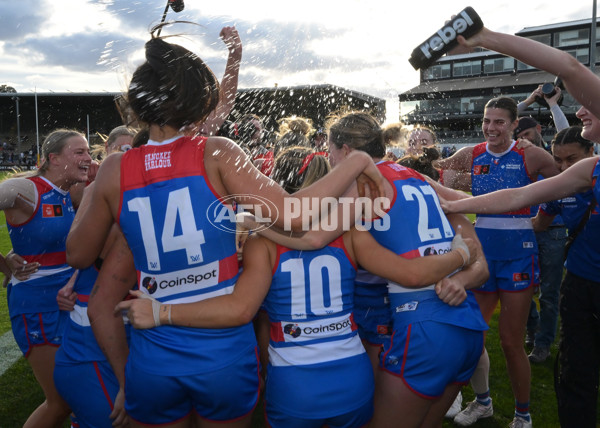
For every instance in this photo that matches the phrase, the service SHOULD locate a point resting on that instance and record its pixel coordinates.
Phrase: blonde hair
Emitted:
(54, 143)
(296, 124)
(293, 131)
(99, 151)
(288, 172)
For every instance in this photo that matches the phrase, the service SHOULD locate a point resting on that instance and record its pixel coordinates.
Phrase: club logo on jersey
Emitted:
(408, 306)
(384, 329)
(292, 329)
(157, 160)
(149, 283)
(52, 210)
(518, 277)
(481, 169)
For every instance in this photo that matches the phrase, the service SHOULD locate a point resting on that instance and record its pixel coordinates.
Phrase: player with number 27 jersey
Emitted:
(422, 322)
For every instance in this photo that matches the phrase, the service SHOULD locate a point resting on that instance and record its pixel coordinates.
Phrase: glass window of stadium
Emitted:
(572, 37)
(522, 66)
(582, 55)
(439, 71)
(498, 65)
(467, 68)
(542, 38)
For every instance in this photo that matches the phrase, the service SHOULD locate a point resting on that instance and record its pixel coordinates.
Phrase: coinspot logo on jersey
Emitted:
(256, 213)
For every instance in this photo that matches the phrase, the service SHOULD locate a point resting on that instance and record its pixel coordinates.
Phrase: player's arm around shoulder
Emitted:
(460, 161)
(416, 272)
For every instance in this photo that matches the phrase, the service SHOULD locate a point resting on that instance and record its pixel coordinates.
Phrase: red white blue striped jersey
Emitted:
(418, 228)
(314, 349)
(509, 235)
(42, 238)
(310, 305)
(180, 235)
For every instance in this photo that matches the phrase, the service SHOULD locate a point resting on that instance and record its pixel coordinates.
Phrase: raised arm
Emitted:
(558, 116)
(229, 84)
(578, 79)
(575, 179)
(560, 120)
(231, 310)
(522, 106)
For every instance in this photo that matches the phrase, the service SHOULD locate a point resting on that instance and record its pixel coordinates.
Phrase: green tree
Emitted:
(7, 89)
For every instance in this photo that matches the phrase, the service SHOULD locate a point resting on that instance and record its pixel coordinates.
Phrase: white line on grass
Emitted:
(9, 351)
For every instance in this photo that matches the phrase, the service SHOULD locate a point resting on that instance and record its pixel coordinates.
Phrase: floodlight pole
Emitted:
(593, 38)
(16, 100)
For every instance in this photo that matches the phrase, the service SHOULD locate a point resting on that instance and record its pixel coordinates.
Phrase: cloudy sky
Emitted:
(363, 45)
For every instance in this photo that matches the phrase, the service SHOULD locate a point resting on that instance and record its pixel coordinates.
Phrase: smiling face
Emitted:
(498, 129)
(591, 125)
(71, 165)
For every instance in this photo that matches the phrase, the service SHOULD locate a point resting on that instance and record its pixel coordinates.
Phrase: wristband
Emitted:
(464, 259)
(155, 309)
(459, 243)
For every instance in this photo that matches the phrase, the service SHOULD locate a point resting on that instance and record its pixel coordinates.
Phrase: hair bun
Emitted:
(160, 55)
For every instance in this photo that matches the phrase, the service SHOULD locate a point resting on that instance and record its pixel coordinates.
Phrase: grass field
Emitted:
(20, 393)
